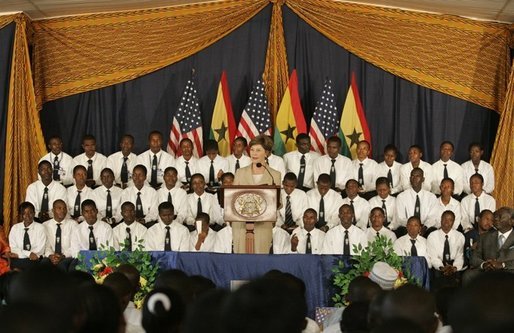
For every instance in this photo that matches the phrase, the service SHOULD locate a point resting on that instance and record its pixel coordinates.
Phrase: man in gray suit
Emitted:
(495, 250)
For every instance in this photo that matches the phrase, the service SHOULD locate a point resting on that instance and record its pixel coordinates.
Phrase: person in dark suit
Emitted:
(495, 250)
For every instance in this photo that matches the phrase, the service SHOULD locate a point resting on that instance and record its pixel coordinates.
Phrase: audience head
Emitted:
(333, 146)
(101, 310)
(377, 218)
(447, 220)
(198, 183)
(45, 171)
(227, 178)
(310, 217)
(363, 150)
(55, 144)
(205, 220)
(202, 316)
(155, 141)
(303, 143)
(132, 275)
(476, 183)
(200, 285)
(27, 212)
(239, 146)
(163, 311)
(166, 212)
(170, 177)
(355, 318)
(289, 183)
(485, 220)
(260, 148)
(383, 187)
(324, 184)
(107, 177)
(413, 227)
(176, 280)
(186, 147)
(503, 219)
(446, 150)
(415, 154)
(128, 212)
(126, 144)
(80, 175)
(346, 215)
(211, 149)
(362, 289)
(121, 286)
(352, 188)
(60, 210)
(89, 145)
(417, 178)
(476, 150)
(446, 187)
(390, 154)
(89, 211)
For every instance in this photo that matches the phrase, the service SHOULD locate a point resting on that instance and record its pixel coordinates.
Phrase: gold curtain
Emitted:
(6, 19)
(276, 71)
(460, 57)
(25, 143)
(503, 153)
(82, 53)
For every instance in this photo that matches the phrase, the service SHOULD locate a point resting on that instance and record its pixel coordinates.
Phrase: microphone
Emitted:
(259, 165)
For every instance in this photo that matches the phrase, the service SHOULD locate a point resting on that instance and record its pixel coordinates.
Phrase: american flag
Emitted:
(324, 120)
(187, 122)
(255, 119)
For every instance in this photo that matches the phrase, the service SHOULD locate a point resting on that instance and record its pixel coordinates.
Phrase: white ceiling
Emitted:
(491, 10)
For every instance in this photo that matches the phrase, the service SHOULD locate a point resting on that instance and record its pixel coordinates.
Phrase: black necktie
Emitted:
(26, 240)
(76, 206)
(308, 245)
(128, 241)
(289, 214)
(384, 208)
(346, 247)
(169, 198)
(58, 247)
(90, 169)
(44, 202)
(301, 172)
(139, 207)
(108, 206)
(211, 174)
(446, 252)
(476, 170)
(477, 212)
(390, 178)
(237, 165)
(413, 250)
(56, 175)
(92, 241)
(199, 206)
(445, 172)
(188, 172)
(417, 207)
(361, 175)
(153, 178)
(124, 171)
(167, 239)
(333, 173)
(378, 233)
(321, 219)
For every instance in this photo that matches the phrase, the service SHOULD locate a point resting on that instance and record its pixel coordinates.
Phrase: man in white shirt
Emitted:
(129, 235)
(42, 193)
(212, 165)
(170, 192)
(412, 244)
(364, 170)
(377, 218)
(122, 162)
(155, 160)
(107, 197)
(474, 203)
(390, 169)
(293, 201)
(167, 235)
(360, 206)
(143, 196)
(186, 164)
(337, 166)
(280, 241)
(93, 161)
(307, 239)
(62, 163)
(446, 168)
(415, 155)
(238, 159)
(224, 240)
(202, 202)
(301, 162)
(446, 202)
(384, 200)
(92, 234)
(203, 238)
(27, 239)
(77, 193)
(325, 202)
(477, 165)
(59, 232)
(345, 237)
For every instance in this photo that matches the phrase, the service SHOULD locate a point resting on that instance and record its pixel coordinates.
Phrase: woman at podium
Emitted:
(257, 173)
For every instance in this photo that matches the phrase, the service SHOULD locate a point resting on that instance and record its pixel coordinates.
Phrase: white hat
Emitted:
(384, 275)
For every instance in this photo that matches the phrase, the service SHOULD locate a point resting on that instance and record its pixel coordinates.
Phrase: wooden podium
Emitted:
(250, 204)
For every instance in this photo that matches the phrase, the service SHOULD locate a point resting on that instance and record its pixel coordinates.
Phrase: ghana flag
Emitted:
(223, 125)
(290, 120)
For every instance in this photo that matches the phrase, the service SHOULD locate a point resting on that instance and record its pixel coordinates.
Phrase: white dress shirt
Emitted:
(133, 318)
(223, 242)
(455, 172)
(468, 207)
(68, 227)
(440, 208)
(100, 198)
(403, 246)
(149, 200)
(204, 166)
(371, 234)
(406, 169)
(292, 162)
(369, 171)
(334, 240)
(66, 165)
(99, 162)
(178, 199)
(485, 169)
(361, 208)
(180, 165)
(210, 206)
(435, 245)
(281, 243)
(37, 236)
(390, 204)
(332, 202)
(299, 204)
(35, 192)
(383, 169)
(137, 232)
(343, 167)
(405, 203)
(277, 163)
(317, 239)
(71, 196)
(115, 163)
(80, 239)
(164, 160)
(208, 243)
(244, 160)
(179, 237)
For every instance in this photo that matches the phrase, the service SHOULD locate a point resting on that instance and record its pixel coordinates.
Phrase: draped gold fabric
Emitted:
(24, 139)
(82, 53)
(503, 153)
(460, 57)
(276, 69)
(6, 19)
